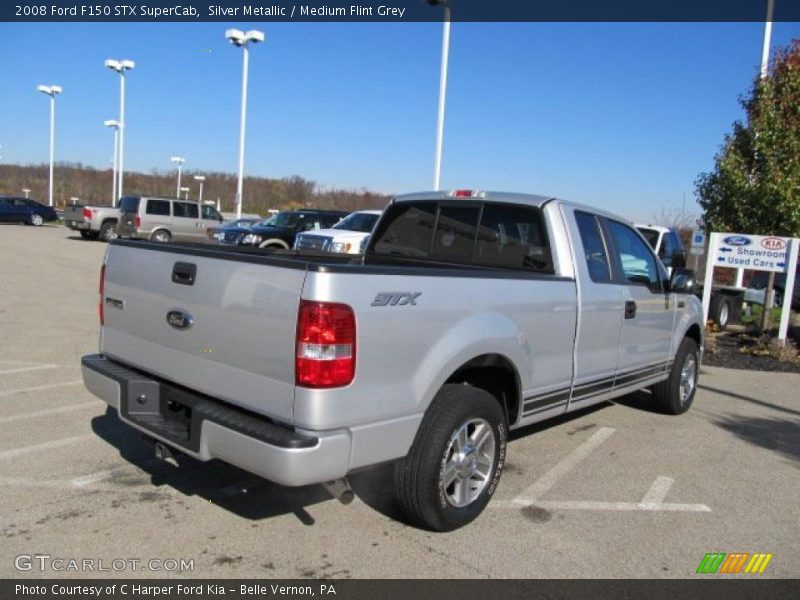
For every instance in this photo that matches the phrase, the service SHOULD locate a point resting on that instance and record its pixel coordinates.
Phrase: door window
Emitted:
(634, 257)
(155, 207)
(187, 210)
(594, 247)
(209, 212)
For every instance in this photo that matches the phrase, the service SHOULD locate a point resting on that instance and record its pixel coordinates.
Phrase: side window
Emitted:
(594, 247)
(513, 237)
(454, 237)
(158, 207)
(329, 221)
(20, 202)
(635, 257)
(6, 202)
(187, 210)
(209, 212)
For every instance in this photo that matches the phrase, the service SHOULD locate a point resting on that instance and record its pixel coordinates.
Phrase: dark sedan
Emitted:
(218, 232)
(280, 230)
(24, 210)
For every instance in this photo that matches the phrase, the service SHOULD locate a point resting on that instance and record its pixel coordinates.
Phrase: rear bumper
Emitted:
(206, 428)
(78, 225)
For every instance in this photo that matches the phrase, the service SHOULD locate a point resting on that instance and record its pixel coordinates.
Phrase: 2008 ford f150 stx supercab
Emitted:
(471, 314)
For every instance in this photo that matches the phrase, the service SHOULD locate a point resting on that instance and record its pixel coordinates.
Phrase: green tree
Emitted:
(755, 184)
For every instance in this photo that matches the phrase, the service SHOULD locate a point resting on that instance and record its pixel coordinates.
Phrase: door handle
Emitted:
(630, 309)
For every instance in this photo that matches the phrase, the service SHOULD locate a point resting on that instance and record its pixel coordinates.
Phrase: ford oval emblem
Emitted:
(737, 240)
(177, 319)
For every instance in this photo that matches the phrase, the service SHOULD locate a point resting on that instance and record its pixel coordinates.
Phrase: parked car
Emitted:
(345, 237)
(25, 210)
(755, 292)
(470, 315)
(218, 233)
(667, 244)
(279, 230)
(92, 221)
(166, 219)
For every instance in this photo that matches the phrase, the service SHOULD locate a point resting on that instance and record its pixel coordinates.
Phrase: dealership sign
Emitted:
(757, 252)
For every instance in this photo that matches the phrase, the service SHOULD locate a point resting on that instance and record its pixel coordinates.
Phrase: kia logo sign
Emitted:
(772, 243)
(737, 240)
(177, 319)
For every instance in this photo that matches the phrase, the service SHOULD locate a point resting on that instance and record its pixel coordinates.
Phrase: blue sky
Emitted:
(622, 116)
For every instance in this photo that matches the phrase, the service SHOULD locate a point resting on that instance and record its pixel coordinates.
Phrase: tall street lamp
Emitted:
(26, 191)
(178, 160)
(201, 179)
(115, 126)
(241, 39)
(437, 161)
(120, 66)
(51, 90)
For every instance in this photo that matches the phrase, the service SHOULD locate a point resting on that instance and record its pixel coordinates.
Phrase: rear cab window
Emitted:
(485, 234)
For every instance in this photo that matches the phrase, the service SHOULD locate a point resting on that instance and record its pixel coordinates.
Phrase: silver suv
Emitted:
(165, 219)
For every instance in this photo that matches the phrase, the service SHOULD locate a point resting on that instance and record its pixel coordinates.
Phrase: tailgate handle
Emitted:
(184, 273)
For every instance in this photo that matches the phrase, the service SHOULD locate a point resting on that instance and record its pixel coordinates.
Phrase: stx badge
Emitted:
(396, 298)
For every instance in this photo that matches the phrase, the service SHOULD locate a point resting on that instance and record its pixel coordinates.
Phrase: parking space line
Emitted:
(658, 491)
(99, 476)
(549, 479)
(46, 446)
(37, 388)
(630, 506)
(48, 412)
(26, 369)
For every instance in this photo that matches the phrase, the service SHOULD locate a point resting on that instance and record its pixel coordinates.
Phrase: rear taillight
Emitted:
(87, 214)
(326, 345)
(137, 222)
(100, 310)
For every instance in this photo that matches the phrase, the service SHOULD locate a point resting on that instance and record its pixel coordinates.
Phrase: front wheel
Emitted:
(455, 462)
(676, 394)
(36, 220)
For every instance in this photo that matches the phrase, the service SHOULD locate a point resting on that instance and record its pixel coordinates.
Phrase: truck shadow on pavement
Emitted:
(781, 436)
(232, 489)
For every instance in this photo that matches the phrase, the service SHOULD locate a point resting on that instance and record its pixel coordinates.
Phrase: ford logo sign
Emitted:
(737, 240)
(177, 319)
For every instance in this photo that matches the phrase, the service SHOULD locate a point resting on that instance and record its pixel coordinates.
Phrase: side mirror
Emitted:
(682, 281)
(679, 259)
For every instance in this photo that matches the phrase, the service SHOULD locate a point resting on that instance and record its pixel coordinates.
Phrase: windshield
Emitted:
(287, 220)
(651, 235)
(363, 222)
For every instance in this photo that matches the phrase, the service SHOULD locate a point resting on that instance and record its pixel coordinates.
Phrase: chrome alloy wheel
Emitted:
(469, 462)
(688, 377)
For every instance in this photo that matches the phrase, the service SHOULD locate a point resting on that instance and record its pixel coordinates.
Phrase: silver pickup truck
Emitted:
(470, 314)
(92, 222)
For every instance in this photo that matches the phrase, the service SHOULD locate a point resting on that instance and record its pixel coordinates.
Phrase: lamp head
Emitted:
(235, 36)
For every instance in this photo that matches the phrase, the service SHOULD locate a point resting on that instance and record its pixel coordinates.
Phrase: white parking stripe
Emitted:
(16, 452)
(49, 386)
(594, 505)
(549, 479)
(26, 369)
(658, 491)
(49, 412)
(99, 475)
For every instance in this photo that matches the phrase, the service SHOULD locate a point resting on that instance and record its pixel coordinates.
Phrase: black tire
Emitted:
(669, 394)
(160, 235)
(108, 231)
(419, 477)
(88, 235)
(722, 313)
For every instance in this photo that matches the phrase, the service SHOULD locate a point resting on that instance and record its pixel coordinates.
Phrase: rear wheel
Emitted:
(88, 235)
(161, 236)
(455, 462)
(676, 394)
(36, 220)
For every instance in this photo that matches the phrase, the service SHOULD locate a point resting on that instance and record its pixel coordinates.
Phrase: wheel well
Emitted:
(495, 374)
(155, 231)
(109, 220)
(274, 242)
(694, 333)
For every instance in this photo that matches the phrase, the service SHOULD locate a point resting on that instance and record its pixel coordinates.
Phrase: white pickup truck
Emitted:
(92, 222)
(471, 314)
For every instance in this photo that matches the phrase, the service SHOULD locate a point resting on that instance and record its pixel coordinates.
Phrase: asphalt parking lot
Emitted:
(615, 491)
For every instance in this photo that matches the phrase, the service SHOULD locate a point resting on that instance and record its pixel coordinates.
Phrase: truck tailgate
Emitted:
(73, 212)
(229, 333)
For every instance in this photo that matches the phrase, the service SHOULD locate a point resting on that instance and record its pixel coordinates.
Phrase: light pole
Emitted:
(437, 161)
(120, 66)
(201, 179)
(241, 39)
(178, 160)
(51, 90)
(115, 126)
(185, 191)
(26, 191)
